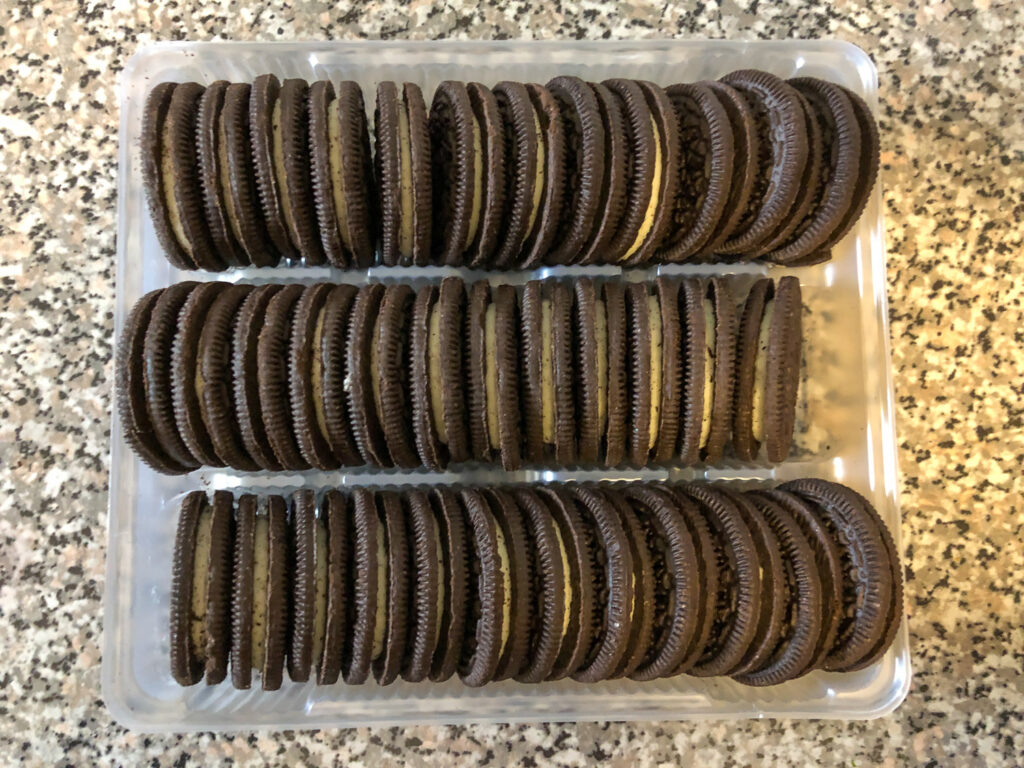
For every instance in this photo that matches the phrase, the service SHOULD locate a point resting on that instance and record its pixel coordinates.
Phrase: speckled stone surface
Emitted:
(953, 173)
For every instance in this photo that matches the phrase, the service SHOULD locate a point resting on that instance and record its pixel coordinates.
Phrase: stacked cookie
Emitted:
(292, 377)
(621, 172)
(533, 584)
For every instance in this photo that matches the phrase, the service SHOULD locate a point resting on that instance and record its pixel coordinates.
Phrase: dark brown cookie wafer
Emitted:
(451, 330)
(638, 311)
(426, 586)
(695, 371)
(278, 587)
(267, 149)
(748, 348)
(184, 382)
(506, 353)
(334, 513)
(738, 598)
(671, 370)
(305, 382)
(242, 584)
(563, 374)
(895, 613)
(782, 369)
(302, 599)
(590, 383)
(455, 579)
(369, 571)
(186, 660)
(296, 187)
(549, 588)
(488, 609)
(432, 452)
(456, 154)
(272, 377)
(612, 188)
(517, 561)
(475, 370)
(238, 179)
(585, 161)
(388, 662)
(523, 138)
(548, 204)
(391, 375)
(492, 211)
(213, 369)
(719, 293)
(209, 154)
(618, 373)
(330, 369)
(781, 158)
(705, 170)
(136, 425)
(342, 173)
(362, 410)
(536, 342)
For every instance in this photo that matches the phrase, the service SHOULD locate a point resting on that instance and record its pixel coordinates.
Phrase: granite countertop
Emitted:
(953, 171)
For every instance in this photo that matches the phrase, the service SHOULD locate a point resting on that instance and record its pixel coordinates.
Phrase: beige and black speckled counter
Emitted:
(953, 171)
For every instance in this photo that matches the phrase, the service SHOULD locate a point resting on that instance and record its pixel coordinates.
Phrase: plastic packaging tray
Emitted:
(845, 416)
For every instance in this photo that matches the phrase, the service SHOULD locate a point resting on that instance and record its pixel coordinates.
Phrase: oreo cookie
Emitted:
(590, 330)
(308, 568)
(422, 344)
(453, 598)
(612, 187)
(719, 370)
(548, 203)
(389, 652)
(491, 214)
(361, 379)
(517, 561)
(390, 377)
(456, 150)
(617, 390)
(524, 179)
(501, 376)
(268, 152)
(489, 590)
(475, 355)
(644, 390)
(427, 586)
(666, 368)
(368, 607)
(448, 385)
(330, 374)
(328, 642)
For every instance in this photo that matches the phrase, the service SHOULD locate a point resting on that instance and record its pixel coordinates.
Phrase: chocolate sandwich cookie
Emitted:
(327, 654)
(518, 563)
(185, 385)
(213, 370)
(868, 586)
(737, 601)
(617, 389)
(305, 377)
(767, 365)
(524, 177)
(272, 377)
(242, 580)
(698, 371)
(237, 176)
(329, 371)
(801, 612)
(136, 425)
(341, 173)
(402, 166)
(492, 211)
(303, 597)
(585, 162)
(549, 589)
(576, 553)
(210, 154)
(675, 583)
(454, 585)
(548, 203)
(265, 132)
(562, 361)
(361, 382)
(775, 592)
(431, 451)
(781, 157)
(895, 613)
(200, 590)
(456, 151)
(667, 370)
(426, 586)
(448, 388)
(390, 383)
(644, 394)
(746, 145)
(171, 177)
(387, 659)
(369, 573)
(719, 368)
(296, 187)
(612, 188)
(614, 584)
(476, 370)
(538, 379)
(705, 170)
(489, 592)
(590, 329)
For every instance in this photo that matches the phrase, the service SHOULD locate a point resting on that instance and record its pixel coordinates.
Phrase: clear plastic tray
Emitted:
(845, 429)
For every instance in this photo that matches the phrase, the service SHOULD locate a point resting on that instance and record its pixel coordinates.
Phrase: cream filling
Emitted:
(709, 371)
(547, 375)
(260, 577)
(318, 374)
(478, 184)
(200, 581)
(434, 373)
(761, 371)
(601, 332)
(654, 320)
(167, 174)
(375, 377)
(652, 205)
(320, 591)
(381, 619)
(224, 178)
(439, 553)
(334, 159)
(538, 180)
(282, 179)
(491, 375)
(566, 580)
(506, 580)
(404, 179)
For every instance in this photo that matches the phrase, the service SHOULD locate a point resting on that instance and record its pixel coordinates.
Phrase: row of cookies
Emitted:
(292, 377)
(620, 172)
(531, 583)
